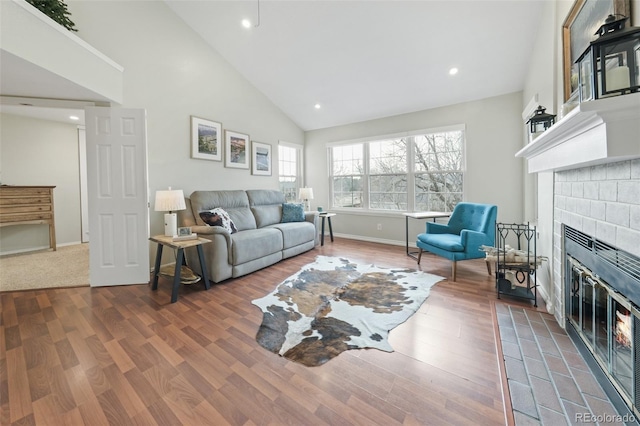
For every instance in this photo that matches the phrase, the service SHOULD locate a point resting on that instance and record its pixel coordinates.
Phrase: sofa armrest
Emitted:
(438, 228)
(207, 231)
(314, 218)
(311, 217)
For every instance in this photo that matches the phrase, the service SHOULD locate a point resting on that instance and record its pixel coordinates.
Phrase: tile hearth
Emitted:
(549, 381)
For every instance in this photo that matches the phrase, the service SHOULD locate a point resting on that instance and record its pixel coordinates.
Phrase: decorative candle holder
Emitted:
(609, 66)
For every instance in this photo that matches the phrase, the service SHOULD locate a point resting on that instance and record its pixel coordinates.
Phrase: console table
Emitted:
(28, 205)
(419, 215)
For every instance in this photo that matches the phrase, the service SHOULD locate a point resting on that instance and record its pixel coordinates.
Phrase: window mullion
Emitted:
(411, 193)
(365, 178)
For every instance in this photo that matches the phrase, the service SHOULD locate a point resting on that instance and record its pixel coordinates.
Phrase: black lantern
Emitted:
(609, 66)
(539, 122)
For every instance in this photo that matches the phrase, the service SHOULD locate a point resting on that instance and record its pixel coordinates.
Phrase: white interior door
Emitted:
(84, 202)
(118, 196)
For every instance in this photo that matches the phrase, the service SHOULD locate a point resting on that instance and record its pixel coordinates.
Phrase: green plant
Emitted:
(56, 10)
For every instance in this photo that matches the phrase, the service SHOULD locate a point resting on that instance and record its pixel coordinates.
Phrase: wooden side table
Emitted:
(327, 216)
(162, 241)
(419, 215)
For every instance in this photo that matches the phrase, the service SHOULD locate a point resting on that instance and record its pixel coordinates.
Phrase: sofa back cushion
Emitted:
(236, 203)
(266, 205)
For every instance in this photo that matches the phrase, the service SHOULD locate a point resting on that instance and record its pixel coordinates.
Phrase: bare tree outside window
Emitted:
(438, 171)
(420, 172)
(348, 172)
(388, 174)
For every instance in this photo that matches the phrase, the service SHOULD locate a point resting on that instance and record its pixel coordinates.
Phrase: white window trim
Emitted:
(443, 129)
(411, 174)
(299, 162)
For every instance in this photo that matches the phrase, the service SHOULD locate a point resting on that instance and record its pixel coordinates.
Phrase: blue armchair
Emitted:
(470, 226)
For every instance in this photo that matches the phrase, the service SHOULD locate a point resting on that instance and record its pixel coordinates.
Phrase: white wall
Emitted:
(544, 82)
(493, 175)
(545, 78)
(41, 152)
(173, 74)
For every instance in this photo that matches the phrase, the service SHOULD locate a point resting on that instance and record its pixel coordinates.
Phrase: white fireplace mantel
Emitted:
(595, 132)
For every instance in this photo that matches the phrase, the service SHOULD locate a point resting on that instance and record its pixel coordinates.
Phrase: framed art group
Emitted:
(240, 152)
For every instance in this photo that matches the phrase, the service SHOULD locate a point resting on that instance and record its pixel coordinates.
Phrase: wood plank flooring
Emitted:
(126, 356)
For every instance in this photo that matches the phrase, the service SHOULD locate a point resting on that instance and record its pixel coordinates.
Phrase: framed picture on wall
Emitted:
(206, 141)
(260, 158)
(237, 150)
(578, 31)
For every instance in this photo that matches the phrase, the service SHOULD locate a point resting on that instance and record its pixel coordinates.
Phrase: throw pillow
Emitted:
(218, 217)
(292, 212)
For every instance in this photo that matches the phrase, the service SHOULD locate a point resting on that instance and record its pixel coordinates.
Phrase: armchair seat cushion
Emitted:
(448, 242)
(470, 226)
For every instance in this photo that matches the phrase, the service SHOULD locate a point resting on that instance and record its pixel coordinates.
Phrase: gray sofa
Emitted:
(261, 239)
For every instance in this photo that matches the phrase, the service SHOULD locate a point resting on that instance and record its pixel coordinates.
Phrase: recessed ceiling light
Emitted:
(246, 23)
(317, 106)
(453, 71)
(74, 117)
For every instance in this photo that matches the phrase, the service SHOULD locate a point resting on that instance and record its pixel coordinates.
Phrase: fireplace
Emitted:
(602, 299)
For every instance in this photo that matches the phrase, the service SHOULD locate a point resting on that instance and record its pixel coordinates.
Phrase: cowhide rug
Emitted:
(333, 305)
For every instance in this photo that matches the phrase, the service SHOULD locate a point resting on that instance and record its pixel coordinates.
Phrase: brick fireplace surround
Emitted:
(602, 201)
(594, 154)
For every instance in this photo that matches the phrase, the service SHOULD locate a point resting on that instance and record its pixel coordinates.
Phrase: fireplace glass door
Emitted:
(587, 309)
(622, 346)
(575, 296)
(601, 321)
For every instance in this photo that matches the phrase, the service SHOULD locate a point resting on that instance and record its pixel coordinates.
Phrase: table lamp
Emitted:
(306, 194)
(170, 201)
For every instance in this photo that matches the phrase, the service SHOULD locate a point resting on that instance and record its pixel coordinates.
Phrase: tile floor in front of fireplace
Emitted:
(549, 381)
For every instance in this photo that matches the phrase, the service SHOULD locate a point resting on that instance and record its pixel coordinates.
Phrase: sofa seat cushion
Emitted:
(254, 244)
(449, 242)
(295, 233)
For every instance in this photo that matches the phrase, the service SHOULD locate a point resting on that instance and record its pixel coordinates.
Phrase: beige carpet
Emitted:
(66, 267)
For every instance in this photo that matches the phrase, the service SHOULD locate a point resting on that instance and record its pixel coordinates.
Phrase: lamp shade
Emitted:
(169, 200)
(305, 193)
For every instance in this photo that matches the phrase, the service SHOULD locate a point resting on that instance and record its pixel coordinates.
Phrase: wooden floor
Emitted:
(125, 355)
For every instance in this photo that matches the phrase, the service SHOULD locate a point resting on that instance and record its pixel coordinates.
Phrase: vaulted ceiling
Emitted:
(361, 60)
(364, 59)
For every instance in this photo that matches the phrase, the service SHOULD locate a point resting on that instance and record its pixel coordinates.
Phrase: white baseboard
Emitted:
(371, 240)
(25, 250)
(39, 248)
(545, 297)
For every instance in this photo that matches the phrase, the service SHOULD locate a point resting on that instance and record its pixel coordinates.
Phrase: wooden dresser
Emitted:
(28, 205)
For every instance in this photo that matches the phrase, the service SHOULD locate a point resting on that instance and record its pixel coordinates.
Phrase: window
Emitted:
(414, 172)
(388, 174)
(289, 170)
(438, 171)
(347, 175)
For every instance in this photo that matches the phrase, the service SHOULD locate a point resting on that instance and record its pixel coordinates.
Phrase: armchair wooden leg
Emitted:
(419, 256)
(453, 270)
(488, 266)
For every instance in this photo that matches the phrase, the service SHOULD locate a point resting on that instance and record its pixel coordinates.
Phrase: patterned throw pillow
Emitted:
(218, 217)
(292, 212)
